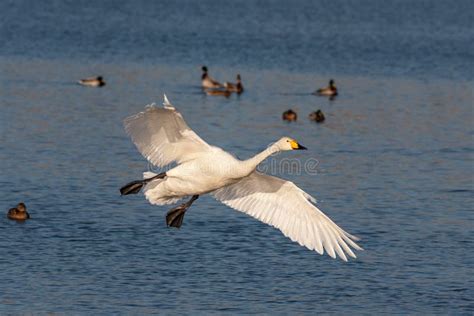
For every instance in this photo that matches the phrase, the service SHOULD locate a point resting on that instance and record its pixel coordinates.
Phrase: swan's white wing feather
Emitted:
(162, 136)
(282, 204)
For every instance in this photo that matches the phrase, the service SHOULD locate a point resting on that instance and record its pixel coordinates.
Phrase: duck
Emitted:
(92, 82)
(289, 116)
(235, 87)
(317, 116)
(329, 91)
(207, 82)
(226, 93)
(18, 213)
(198, 168)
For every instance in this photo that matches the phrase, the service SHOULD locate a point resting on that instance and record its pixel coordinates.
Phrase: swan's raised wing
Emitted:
(283, 205)
(162, 136)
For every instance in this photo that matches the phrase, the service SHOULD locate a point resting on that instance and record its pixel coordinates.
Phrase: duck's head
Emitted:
(331, 83)
(204, 68)
(286, 143)
(21, 207)
(100, 78)
(317, 116)
(238, 77)
(289, 115)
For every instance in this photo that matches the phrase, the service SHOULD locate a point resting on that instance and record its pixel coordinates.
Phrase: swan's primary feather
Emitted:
(283, 205)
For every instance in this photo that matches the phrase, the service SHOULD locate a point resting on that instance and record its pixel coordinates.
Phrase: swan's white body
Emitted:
(163, 137)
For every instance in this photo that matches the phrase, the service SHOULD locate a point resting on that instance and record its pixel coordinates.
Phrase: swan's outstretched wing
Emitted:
(283, 205)
(162, 136)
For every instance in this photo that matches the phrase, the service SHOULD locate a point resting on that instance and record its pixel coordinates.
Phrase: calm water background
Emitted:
(395, 154)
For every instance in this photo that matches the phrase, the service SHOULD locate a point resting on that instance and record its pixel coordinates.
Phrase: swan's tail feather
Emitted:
(149, 174)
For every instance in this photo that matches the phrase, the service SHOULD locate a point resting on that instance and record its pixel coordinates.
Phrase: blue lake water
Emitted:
(395, 155)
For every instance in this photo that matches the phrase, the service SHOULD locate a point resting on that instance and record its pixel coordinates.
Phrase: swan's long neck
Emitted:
(253, 162)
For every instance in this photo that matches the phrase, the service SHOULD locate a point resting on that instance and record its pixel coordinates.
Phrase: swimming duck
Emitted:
(18, 213)
(92, 82)
(289, 116)
(317, 116)
(330, 90)
(207, 82)
(226, 93)
(235, 87)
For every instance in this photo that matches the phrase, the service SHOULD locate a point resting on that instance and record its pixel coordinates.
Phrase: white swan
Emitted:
(163, 137)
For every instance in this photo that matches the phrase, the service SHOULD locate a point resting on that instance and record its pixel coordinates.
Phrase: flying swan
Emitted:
(163, 137)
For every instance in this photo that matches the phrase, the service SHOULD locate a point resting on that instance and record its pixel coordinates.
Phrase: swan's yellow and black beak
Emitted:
(295, 146)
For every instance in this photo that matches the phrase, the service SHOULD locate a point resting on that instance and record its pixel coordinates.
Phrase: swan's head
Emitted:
(287, 143)
(21, 207)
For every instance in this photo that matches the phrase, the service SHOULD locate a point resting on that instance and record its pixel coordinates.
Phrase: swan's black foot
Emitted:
(135, 186)
(175, 216)
(132, 188)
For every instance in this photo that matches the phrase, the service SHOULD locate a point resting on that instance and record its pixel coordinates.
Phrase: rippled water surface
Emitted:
(395, 155)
